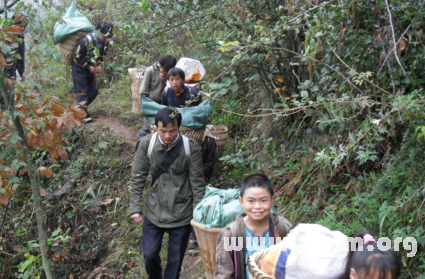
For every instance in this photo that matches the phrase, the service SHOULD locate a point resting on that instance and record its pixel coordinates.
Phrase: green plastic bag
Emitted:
(73, 21)
(192, 117)
(219, 207)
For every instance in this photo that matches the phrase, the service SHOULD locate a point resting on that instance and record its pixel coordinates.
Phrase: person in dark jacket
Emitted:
(86, 64)
(13, 61)
(179, 95)
(172, 197)
(153, 83)
(209, 154)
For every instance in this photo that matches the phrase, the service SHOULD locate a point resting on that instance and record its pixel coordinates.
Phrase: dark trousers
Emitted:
(151, 246)
(84, 82)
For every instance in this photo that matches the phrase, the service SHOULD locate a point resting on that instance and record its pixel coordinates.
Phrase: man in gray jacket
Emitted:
(169, 203)
(154, 82)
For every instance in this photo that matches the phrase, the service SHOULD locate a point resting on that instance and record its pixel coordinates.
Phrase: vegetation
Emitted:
(325, 97)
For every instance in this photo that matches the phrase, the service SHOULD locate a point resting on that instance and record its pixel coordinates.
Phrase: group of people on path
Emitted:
(180, 168)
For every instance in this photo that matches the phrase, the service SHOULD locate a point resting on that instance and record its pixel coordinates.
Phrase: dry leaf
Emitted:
(107, 201)
(277, 90)
(279, 79)
(287, 98)
(44, 171)
(22, 171)
(382, 58)
(71, 276)
(4, 198)
(56, 242)
(402, 45)
(72, 96)
(43, 192)
(15, 186)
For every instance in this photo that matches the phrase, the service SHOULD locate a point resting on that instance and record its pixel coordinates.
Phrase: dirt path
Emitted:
(117, 126)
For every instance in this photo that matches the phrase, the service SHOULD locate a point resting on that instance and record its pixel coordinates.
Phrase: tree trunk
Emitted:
(39, 212)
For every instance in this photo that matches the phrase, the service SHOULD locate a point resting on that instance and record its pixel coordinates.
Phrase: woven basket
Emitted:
(220, 133)
(197, 135)
(136, 77)
(67, 47)
(207, 240)
(254, 270)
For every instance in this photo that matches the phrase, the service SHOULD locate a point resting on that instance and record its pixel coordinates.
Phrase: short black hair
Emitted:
(365, 261)
(257, 180)
(167, 116)
(176, 72)
(167, 61)
(105, 28)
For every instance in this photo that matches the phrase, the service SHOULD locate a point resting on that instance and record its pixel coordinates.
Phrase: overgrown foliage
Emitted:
(325, 97)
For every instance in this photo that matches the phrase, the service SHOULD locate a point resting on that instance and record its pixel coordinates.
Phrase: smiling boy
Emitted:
(256, 198)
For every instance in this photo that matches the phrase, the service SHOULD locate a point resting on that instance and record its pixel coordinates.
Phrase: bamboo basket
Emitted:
(136, 77)
(220, 133)
(68, 46)
(197, 135)
(207, 240)
(253, 265)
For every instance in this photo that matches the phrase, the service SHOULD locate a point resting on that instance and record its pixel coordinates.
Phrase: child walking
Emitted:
(256, 198)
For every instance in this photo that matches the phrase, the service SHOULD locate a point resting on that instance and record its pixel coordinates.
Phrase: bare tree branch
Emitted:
(401, 37)
(9, 6)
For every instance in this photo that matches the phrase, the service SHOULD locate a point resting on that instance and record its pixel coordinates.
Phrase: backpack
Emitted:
(153, 140)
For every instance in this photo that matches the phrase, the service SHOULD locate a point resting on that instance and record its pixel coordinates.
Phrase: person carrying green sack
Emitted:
(86, 64)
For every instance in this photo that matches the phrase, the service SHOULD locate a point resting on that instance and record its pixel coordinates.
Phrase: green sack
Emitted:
(192, 117)
(219, 207)
(73, 21)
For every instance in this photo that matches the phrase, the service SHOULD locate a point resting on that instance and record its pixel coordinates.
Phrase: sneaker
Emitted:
(87, 119)
(193, 248)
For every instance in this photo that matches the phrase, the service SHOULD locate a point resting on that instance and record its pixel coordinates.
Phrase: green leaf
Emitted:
(234, 87)
(58, 56)
(3, 191)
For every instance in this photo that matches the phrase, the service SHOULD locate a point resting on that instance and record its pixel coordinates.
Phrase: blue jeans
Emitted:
(151, 246)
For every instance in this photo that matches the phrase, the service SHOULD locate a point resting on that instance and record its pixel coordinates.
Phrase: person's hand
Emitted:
(98, 69)
(23, 77)
(137, 218)
(92, 69)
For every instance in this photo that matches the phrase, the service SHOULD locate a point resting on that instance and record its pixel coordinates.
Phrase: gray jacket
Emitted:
(152, 85)
(170, 202)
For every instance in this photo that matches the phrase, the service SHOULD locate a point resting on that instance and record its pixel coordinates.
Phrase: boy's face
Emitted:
(256, 203)
(176, 83)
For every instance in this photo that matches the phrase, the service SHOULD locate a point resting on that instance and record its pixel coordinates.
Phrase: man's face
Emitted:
(22, 26)
(168, 133)
(163, 73)
(103, 38)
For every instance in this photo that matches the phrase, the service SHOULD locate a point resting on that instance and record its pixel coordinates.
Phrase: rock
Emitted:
(63, 191)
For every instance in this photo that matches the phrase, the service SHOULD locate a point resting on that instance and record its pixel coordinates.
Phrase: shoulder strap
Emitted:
(89, 38)
(281, 226)
(186, 147)
(168, 161)
(151, 144)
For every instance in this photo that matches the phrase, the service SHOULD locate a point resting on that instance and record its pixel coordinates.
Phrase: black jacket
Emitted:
(84, 52)
(209, 153)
